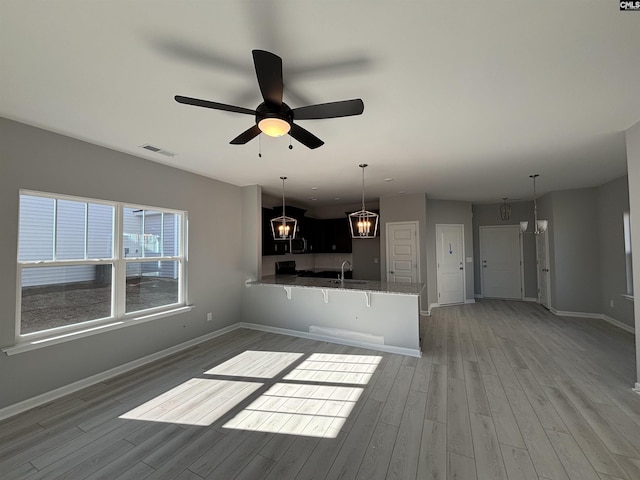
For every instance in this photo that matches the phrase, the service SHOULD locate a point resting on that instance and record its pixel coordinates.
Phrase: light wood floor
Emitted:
(504, 390)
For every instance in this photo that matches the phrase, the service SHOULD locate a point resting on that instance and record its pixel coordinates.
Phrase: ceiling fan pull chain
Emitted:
(259, 146)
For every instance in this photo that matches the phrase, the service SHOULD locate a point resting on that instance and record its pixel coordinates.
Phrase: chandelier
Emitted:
(283, 227)
(363, 224)
(539, 226)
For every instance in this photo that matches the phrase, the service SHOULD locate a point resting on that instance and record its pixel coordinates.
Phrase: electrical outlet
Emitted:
(209, 316)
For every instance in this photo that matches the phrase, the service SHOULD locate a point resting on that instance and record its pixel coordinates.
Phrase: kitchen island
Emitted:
(371, 314)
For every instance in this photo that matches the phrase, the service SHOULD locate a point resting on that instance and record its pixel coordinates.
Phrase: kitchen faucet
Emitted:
(342, 269)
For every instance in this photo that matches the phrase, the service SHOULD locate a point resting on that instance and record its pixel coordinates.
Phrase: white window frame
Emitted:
(119, 316)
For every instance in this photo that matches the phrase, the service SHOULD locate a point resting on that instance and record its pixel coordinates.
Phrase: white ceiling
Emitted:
(463, 100)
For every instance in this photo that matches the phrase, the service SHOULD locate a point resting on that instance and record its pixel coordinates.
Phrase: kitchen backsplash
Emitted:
(306, 261)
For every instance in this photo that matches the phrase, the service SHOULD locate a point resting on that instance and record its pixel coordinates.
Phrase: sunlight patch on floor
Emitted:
(325, 367)
(301, 406)
(255, 364)
(198, 401)
(311, 410)
(314, 399)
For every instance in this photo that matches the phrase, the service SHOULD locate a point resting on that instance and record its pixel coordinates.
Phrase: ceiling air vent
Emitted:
(159, 150)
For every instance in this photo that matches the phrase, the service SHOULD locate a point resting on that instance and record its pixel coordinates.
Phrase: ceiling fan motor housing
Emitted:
(265, 110)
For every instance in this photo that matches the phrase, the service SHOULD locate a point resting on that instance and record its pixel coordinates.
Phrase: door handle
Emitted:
(461, 268)
(391, 272)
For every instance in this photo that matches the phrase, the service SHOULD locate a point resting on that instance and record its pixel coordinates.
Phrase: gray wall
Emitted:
(489, 215)
(405, 208)
(443, 212)
(252, 232)
(575, 242)
(613, 201)
(36, 159)
(366, 258)
(633, 168)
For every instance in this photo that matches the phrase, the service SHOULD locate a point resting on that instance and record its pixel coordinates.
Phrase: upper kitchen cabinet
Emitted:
(334, 236)
(313, 235)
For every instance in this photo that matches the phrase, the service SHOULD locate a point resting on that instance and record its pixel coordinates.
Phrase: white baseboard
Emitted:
(469, 300)
(426, 313)
(478, 295)
(530, 299)
(597, 316)
(637, 388)
(41, 399)
(410, 352)
(619, 324)
(563, 313)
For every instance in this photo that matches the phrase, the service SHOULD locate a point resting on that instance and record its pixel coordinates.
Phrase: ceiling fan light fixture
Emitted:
(274, 127)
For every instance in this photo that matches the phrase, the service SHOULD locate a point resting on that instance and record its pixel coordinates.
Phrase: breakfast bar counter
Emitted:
(391, 288)
(372, 314)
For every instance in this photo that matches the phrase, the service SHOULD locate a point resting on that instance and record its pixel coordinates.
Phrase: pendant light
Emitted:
(539, 226)
(283, 227)
(363, 224)
(505, 210)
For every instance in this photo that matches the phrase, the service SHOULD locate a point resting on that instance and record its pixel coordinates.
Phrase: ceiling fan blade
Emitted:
(269, 73)
(344, 108)
(245, 136)
(215, 105)
(305, 137)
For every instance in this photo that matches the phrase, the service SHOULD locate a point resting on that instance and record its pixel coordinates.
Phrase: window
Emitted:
(83, 262)
(627, 251)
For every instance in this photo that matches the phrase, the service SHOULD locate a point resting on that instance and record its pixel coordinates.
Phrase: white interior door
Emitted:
(500, 253)
(450, 253)
(402, 252)
(542, 258)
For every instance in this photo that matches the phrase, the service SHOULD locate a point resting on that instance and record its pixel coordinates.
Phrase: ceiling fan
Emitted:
(274, 117)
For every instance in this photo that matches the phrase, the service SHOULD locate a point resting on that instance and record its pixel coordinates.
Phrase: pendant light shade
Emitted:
(363, 224)
(283, 227)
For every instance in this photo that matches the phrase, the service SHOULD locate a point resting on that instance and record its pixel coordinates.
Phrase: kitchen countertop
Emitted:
(334, 284)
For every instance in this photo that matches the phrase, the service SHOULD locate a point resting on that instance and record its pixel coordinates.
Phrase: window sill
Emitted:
(25, 346)
(628, 297)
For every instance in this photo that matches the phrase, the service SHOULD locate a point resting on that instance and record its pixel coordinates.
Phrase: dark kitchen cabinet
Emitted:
(321, 236)
(334, 236)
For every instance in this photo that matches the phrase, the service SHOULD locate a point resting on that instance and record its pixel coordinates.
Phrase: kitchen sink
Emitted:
(347, 282)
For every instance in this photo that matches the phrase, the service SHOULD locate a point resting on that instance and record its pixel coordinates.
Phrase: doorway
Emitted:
(403, 256)
(501, 262)
(450, 258)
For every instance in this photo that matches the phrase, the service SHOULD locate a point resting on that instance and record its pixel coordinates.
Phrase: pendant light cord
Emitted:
(535, 205)
(363, 165)
(283, 215)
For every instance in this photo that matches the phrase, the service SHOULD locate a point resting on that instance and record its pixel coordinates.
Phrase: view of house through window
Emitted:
(73, 268)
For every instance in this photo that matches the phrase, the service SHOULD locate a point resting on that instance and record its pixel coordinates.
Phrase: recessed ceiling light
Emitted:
(314, 188)
(401, 192)
(388, 179)
(336, 198)
(313, 198)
